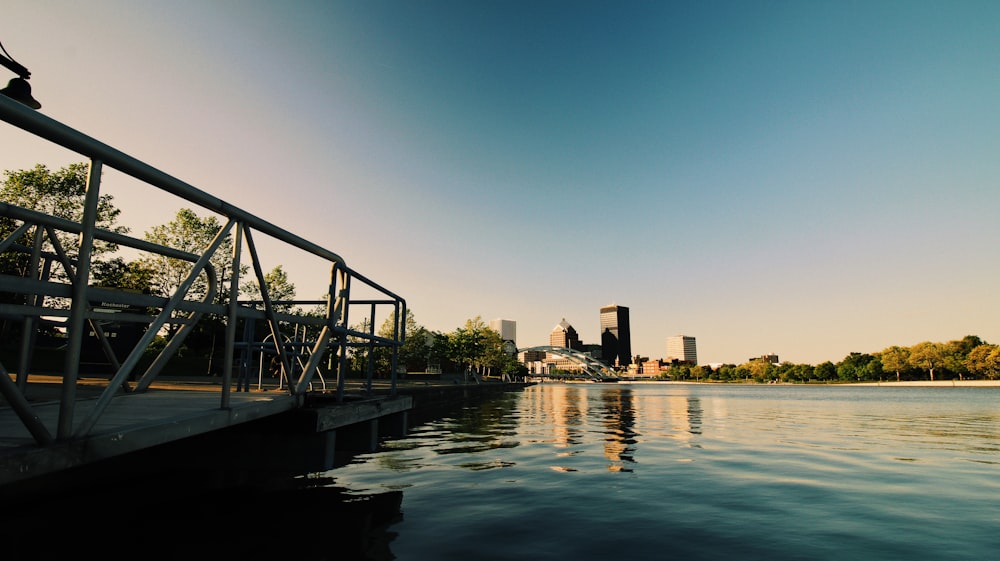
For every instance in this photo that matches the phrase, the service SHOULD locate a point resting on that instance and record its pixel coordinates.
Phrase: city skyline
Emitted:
(812, 179)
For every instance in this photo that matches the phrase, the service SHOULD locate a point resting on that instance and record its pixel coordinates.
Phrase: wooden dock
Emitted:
(179, 424)
(180, 410)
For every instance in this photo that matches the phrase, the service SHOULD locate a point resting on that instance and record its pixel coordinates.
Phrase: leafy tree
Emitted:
(927, 356)
(413, 353)
(955, 353)
(859, 366)
(727, 372)
(439, 354)
(468, 343)
(984, 360)
(279, 288)
(798, 373)
(495, 358)
(118, 273)
(895, 359)
(59, 193)
(191, 233)
(761, 370)
(62, 194)
(825, 371)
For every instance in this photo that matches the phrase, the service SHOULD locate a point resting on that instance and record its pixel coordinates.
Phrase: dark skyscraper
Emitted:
(616, 340)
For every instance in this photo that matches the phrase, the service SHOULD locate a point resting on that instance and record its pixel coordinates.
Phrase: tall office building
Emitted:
(682, 348)
(564, 335)
(507, 328)
(616, 339)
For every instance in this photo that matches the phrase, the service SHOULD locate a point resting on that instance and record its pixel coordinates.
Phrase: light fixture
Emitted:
(18, 88)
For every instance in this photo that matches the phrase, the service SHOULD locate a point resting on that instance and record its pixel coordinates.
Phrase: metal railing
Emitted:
(67, 299)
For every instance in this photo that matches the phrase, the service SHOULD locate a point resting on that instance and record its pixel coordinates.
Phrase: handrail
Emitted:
(333, 336)
(54, 131)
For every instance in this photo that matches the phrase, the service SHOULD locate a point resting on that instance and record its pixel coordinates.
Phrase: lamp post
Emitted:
(18, 88)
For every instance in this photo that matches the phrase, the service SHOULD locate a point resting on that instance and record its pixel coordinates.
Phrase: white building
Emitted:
(507, 328)
(682, 348)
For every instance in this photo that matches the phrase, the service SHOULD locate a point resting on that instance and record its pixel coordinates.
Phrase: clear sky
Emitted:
(804, 178)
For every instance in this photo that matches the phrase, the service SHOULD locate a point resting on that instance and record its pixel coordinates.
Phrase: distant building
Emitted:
(653, 368)
(564, 335)
(773, 359)
(682, 349)
(616, 338)
(507, 328)
(534, 361)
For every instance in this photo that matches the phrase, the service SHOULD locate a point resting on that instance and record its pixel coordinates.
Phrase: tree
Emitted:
(191, 233)
(414, 351)
(825, 371)
(413, 354)
(279, 289)
(859, 366)
(439, 355)
(760, 370)
(798, 373)
(128, 275)
(494, 353)
(955, 353)
(895, 359)
(927, 356)
(984, 360)
(467, 343)
(62, 194)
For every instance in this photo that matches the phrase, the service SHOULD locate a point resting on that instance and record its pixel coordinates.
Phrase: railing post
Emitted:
(399, 336)
(338, 312)
(80, 305)
(29, 336)
(234, 294)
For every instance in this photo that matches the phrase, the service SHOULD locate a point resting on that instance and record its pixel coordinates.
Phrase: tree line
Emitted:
(473, 348)
(967, 358)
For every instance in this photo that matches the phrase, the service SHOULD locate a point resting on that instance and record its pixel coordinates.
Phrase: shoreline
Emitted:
(885, 383)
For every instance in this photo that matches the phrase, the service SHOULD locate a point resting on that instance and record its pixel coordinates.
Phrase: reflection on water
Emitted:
(589, 471)
(619, 419)
(595, 471)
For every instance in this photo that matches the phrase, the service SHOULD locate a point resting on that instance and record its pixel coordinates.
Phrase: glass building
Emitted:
(616, 339)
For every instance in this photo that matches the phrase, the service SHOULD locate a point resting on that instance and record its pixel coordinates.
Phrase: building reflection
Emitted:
(618, 419)
(568, 409)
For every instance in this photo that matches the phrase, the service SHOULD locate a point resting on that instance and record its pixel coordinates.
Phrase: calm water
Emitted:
(691, 472)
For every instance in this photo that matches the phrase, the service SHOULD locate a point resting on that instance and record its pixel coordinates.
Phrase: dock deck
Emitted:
(170, 411)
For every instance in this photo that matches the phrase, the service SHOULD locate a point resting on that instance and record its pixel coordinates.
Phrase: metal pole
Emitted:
(79, 306)
(234, 293)
(28, 337)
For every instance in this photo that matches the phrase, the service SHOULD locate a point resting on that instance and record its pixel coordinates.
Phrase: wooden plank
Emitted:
(335, 415)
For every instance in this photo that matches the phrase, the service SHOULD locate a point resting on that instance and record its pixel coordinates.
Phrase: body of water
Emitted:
(697, 472)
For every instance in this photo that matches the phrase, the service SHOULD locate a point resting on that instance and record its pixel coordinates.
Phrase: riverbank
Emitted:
(883, 383)
(935, 384)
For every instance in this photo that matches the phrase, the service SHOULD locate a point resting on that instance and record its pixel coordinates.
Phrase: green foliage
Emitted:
(969, 356)
(279, 288)
(857, 367)
(118, 273)
(984, 360)
(188, 232)
(59, 193)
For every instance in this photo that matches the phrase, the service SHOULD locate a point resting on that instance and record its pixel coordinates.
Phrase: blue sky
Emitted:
(804, 178)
